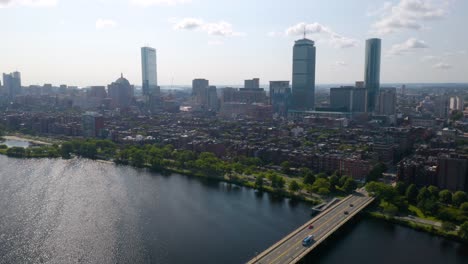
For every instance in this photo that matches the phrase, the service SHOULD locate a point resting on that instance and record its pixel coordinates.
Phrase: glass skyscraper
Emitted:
(303, 79)
(372, 72)
(149, 71)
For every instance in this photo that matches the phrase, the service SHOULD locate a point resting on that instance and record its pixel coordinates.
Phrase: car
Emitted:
(346, 212)
(308, 240)
(351, 205)
(311, 227)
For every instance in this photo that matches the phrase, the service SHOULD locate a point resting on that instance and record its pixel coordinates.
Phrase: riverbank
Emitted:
(55, 151)
(30, 139)
(425, 228)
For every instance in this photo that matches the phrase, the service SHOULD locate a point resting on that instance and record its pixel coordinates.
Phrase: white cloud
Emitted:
(443, 66)
(189, 23)
(221, 28)
(408, 14)
(321, 31)
(105, 23)
(146, 3)
(408, 46)
(29, 3)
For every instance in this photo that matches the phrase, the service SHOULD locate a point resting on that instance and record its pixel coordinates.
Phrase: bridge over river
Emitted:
(290, 248)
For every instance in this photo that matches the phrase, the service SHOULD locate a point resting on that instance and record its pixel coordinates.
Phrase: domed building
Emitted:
(121, 92)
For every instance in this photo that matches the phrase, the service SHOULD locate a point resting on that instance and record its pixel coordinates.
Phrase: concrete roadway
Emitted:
(291, 250)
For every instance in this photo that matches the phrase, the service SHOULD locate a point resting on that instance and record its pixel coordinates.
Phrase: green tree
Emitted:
(376, 172)
(445, 196)
(423, 195)
(157, 164)
(456, 115)
(342, 180)
(323, 191)
(401, 188)
(321, 184)
(389, 208)
(350, 185)
(294, 186)
(334, 181)
(308, 175)
(321, 175)
(458, 198)
(434, 191)
(464, 207)
(65, 149)
(137, 158)
(277, 181)
(463, 231)
(411, 193)
(382, 191)
(259, 181)
(286, 167)
(17, 152)
(448, 226)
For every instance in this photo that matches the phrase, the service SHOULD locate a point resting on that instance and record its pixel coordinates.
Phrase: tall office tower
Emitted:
(200, 91)
(252, 84)
(387, 101)
(212, 98)
(372, 72)
(303, 79)
(12, 84)
(442, 106)
(149, 71)
(280, 97)
(457, 103)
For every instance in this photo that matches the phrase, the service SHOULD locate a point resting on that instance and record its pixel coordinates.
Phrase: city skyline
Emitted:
(79, 48)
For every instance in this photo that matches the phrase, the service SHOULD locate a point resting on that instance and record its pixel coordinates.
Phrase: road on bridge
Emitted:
(290, 248)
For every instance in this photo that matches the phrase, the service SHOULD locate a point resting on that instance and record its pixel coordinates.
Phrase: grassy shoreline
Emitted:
(415, 226)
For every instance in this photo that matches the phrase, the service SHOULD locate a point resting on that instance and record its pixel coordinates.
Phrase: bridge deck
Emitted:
(290, 248)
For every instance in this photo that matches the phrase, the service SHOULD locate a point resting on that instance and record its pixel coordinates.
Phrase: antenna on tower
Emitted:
(304, 30)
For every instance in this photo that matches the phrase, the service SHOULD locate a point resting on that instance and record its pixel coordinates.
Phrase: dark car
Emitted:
(311, 227)
(346, 212)
(351, 205)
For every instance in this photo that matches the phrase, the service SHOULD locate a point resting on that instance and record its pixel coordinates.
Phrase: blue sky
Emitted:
(90, 42)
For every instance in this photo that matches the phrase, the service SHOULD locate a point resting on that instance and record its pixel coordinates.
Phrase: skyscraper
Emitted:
(303, 79)
(149, 71)
(372, 72)
(280, 97)
(387, 101)
(12, 84)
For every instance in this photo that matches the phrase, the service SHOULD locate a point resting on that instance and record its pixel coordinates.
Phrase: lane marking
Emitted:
(297, 243)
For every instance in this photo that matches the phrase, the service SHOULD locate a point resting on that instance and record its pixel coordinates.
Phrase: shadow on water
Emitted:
(259, 194)
(293, 203)
(462, 250)
(274, 198)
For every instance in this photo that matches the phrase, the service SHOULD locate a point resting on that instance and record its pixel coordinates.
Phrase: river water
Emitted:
(83, 211)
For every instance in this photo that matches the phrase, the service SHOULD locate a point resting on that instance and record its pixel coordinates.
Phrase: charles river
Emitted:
(83, 211)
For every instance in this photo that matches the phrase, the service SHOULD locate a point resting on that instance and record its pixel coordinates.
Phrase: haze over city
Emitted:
(89, 42)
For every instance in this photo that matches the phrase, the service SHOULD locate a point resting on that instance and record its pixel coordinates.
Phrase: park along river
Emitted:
(84, 211)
